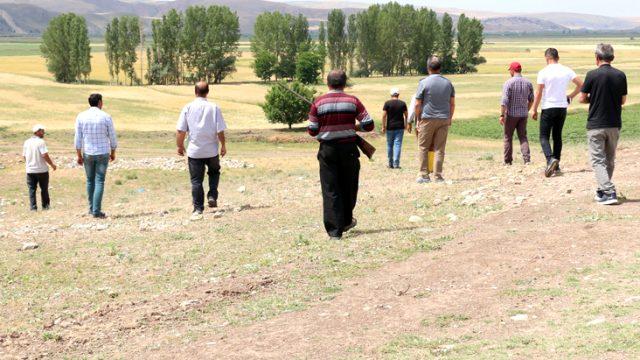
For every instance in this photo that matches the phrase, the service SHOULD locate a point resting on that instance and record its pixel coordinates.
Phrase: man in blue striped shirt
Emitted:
(96, 144)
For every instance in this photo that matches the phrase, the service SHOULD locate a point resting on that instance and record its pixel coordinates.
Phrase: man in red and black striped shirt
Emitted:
(334, 119)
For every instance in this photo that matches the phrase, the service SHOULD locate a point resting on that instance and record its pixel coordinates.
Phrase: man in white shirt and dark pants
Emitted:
(553, 81)
(204, 122)
(36, 158)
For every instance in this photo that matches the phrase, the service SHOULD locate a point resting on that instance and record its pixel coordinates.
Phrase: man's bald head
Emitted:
(337, 79)
(202, 89)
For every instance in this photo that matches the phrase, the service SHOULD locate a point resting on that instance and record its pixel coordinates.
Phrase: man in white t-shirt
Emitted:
(204, 122)
(553, 81)
(36, 158)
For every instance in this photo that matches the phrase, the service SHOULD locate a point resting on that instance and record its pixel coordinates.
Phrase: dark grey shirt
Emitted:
(436, 92)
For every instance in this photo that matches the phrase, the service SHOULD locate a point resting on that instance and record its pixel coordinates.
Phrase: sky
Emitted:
(627, 8)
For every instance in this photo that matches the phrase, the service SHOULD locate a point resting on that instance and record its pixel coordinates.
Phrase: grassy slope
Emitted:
(574, 130)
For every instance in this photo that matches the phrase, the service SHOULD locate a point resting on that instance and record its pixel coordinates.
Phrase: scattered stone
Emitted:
(446, 348)
(415, 219)
(569, 191)
(632, 299)
(452, 217)
(519, 200)
(29, 246)
(472, 199)
(218, 214)
(242, 189)
(520, 317)
(597, 321)
(188, 303)
(437, 202)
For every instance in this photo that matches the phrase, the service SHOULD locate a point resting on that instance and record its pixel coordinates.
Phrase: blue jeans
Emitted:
(95, 166)
(394, 146)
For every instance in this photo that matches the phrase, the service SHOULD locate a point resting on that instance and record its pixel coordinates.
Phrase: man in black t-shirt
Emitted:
(394, 121)
(605, 90)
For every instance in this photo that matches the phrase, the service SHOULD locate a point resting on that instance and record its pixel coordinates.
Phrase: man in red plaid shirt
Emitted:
(334, 119)
(517, 98)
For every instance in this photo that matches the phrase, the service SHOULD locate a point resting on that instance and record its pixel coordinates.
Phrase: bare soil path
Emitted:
(470, 275)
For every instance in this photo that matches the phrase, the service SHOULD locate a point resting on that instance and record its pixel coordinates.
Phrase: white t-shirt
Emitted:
(555, 78)
(203, 121)
(33, 150)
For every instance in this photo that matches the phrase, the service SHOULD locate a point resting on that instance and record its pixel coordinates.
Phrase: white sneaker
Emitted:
(423, 180)
(196, 215)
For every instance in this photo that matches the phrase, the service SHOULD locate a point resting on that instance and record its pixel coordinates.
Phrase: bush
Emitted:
(264, 65)
(308, 67)
(283, 107)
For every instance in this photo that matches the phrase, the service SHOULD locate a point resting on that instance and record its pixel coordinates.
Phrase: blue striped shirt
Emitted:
(95, 134)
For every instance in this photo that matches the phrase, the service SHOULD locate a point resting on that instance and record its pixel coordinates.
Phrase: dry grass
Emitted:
(156, 108)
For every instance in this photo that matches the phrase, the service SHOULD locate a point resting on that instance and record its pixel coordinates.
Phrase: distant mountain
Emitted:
(520, 25)
(24, 17)
(19, 19)
(99, 12)
(586, 22)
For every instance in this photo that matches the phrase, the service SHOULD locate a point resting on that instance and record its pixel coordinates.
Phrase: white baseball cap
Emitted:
(394, 91)
(37, 128)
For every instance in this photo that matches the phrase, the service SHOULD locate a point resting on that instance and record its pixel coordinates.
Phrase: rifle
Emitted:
(362, 144)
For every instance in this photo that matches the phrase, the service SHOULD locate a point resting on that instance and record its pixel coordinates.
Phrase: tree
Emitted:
(66, 48)
(424, 40)
(282, 107)
(367, 46)
(322, 44)
(112, 42)
(164, 59)
(284, 37)
(264, 65)
(352, 41)
(445, 45)
(336, 39)
(469, 44)
(128, 42)
(308, 67)
(210, 42)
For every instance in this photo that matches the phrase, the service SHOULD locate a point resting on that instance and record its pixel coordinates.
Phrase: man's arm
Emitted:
(46, 158)
(180, 136)
(365, 122)
(503, 114)
(112, 139)
(384, 121)
(223, 146)
(452, 109)
(584, 98)
(578, 82)
(78, 142)
(536, 102)
(406, 117)
(505, 103)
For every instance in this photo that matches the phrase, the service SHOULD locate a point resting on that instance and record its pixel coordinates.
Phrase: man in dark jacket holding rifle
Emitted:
(334, 119)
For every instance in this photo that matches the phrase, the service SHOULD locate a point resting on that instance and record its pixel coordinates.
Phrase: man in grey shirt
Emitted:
(435, 102)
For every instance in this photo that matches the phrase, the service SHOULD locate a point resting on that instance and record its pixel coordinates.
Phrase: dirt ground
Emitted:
(511, 265)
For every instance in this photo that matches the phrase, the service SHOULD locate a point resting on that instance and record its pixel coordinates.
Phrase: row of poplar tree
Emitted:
(202, 43)
(388, 40)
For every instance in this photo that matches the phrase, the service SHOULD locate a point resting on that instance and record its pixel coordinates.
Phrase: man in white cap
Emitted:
(394, 121)
(36, 158)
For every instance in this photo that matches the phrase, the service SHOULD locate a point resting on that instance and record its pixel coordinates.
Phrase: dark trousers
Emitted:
(551, 124)
(511, 125)
(33, 180)
(196, 171)
(339, 173)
